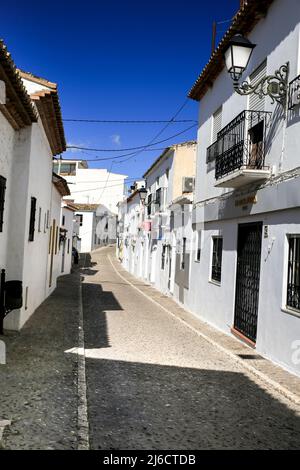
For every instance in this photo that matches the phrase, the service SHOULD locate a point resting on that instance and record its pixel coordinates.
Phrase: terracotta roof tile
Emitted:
(244, 21)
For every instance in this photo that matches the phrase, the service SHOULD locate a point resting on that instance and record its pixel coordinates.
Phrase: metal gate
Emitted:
(247, 279)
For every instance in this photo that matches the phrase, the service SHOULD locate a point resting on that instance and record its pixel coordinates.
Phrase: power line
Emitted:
(108, 121)
(102, 181)
(133, 148)
(101, 187)
(160, 132)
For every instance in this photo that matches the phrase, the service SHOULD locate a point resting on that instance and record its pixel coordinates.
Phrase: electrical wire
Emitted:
(107, 121)
(133, 148)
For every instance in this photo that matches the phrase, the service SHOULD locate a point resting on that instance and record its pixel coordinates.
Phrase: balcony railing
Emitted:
(294, 93)
(242, 155)
(240, 144)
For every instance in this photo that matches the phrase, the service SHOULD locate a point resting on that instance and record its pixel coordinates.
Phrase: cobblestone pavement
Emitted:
(38, 385)
(152, 383)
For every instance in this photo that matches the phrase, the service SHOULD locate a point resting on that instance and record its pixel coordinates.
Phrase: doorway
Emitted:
(247, 279)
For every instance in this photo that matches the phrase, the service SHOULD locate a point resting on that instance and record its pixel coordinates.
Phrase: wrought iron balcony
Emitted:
(294, 93)
(239, 151)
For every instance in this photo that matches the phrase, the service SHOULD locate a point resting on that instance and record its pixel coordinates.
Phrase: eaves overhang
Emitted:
(243, 22)
(18, 109)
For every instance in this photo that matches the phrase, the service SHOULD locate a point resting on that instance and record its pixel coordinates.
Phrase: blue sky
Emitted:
(117, 60)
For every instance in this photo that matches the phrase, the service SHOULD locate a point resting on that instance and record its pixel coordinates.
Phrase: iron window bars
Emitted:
(217, 259)
(32, 219)
(241, 143)
(294, 93)
(293, 281)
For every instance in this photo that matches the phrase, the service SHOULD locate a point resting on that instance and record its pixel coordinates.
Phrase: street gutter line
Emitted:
(282, 390)
(82, 419)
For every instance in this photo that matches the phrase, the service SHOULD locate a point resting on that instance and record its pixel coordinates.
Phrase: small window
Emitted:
(293, 281)
(198, 246)
(48, 216)
(183, 253)
(79, 218)
(217, 259)
(217, 123)
(45, 222)
(149, 205)
(68, 169)
(63, 220)
(2, 200)
(158, 199)
(32, 219)
(68, 245)
(163, 257)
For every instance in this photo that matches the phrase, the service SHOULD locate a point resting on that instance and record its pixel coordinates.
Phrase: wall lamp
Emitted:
(143, 194)
(237, 56)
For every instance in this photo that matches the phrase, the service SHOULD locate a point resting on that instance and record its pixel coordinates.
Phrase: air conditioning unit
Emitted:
(188, 184)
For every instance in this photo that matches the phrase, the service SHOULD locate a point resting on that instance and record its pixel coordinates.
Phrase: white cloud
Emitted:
(116, 139)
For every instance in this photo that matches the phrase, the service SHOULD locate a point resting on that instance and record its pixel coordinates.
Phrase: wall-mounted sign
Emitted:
(246, 200)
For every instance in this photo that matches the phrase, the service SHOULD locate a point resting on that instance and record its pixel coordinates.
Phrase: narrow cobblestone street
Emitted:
(152, 381)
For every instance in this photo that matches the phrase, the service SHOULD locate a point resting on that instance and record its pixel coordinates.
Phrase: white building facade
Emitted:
(246, 279)
(96, 192)
(31, 133)
(155, 230)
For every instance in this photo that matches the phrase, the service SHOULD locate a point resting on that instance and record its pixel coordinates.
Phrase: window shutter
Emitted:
(256, 103)
(217, 123)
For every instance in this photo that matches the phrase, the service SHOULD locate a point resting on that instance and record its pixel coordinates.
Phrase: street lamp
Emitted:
(237, 56)
(143, 194)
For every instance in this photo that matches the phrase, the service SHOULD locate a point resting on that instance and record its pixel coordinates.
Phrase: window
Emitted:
(45, 222)
(79, 218)
(68, 169)
(217, 259)
(63, 220)
(68, 250)
(198, 246)
(217, 123)
(48, 215)
(293, 281)
(56, 167)
(158, 198)
(2, 199)
(163, 257)
(149, 204)
(257, 102)
(183, 252)
(32, 219)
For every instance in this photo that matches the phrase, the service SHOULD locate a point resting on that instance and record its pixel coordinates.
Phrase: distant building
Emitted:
(95, 193)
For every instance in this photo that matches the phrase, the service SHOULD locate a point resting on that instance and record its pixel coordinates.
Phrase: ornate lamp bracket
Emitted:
(275, 86)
